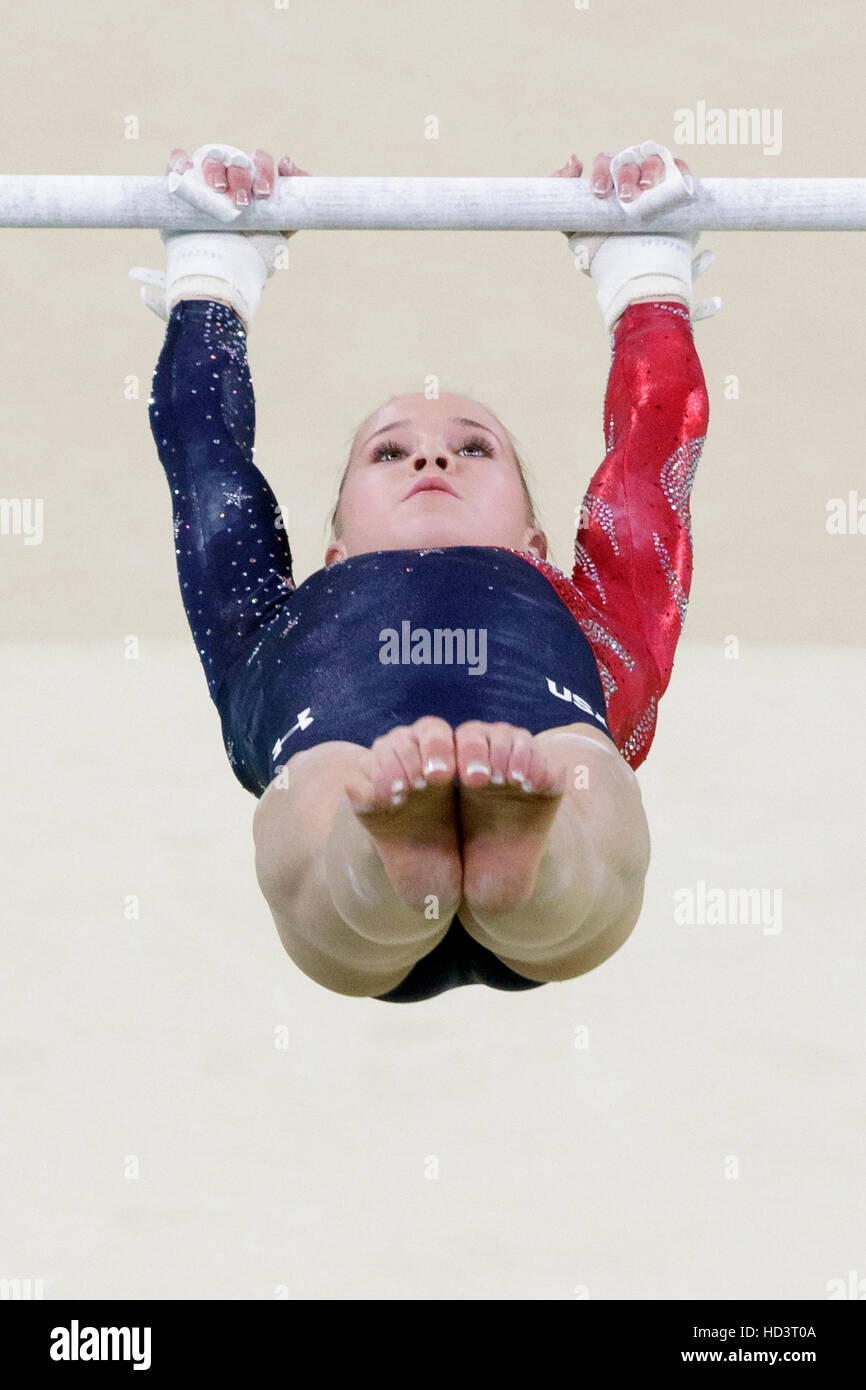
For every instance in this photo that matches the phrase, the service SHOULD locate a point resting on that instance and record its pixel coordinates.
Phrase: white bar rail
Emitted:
(433, 204)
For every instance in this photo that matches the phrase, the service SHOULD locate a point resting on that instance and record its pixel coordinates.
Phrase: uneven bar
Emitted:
(432, 204)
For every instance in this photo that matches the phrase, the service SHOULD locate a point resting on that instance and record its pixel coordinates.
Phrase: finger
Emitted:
(178, 161)
(288, 166)
(240, 185)
(572, 170)
(214, 173)
(263, 174)
(652, 171)
(601, 183)
(628, 187)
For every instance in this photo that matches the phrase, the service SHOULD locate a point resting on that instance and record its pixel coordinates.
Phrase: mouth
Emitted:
(430, 485)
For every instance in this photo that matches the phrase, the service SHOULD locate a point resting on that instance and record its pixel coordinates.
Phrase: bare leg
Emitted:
(359, 897)
(359, 856)
(552, 877)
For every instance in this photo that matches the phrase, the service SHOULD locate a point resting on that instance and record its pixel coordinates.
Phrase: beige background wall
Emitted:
(185, 1114)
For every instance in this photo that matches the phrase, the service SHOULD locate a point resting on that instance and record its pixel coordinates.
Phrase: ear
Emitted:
(535, 542)
(336, 551)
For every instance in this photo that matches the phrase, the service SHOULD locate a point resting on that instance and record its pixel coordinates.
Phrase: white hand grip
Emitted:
(674, 190)
(191, 185)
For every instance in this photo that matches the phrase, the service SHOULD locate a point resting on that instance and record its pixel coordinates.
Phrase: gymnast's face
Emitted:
(454, 442)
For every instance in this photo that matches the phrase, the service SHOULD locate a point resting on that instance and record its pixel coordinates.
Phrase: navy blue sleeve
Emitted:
(233, 557)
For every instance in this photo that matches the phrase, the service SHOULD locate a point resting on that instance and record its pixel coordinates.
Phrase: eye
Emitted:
(475, 444)
(389, 447)
(478, 445)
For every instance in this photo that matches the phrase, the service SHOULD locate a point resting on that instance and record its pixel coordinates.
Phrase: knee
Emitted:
(306, 768)
(619, 827)
(591, 943)
(336, 975)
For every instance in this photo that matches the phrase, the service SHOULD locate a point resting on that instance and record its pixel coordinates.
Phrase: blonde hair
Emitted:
(532, 518)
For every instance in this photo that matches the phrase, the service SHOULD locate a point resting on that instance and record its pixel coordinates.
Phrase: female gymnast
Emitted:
(441, 727)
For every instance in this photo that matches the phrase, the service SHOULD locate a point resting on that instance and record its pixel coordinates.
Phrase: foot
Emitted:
(403, 794)
(509, 793)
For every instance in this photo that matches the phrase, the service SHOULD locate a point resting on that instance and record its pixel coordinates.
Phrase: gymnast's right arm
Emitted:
(233, 556)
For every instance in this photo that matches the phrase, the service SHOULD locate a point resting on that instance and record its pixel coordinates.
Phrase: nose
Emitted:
(421, 462)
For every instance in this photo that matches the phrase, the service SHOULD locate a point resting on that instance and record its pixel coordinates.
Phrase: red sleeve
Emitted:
(633, 550)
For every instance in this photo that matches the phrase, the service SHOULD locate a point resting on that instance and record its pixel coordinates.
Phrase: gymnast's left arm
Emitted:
(633, 550)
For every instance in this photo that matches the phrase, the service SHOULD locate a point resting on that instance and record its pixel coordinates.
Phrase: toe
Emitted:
(359, 786)
(500, 739)
(543, 775)
(402, 744)
(387, 773)
(473, 752)
(520, 758)
(435, 740)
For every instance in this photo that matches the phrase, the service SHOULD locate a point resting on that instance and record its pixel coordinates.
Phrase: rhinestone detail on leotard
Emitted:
(640, 733)
(601, 512)
(677, 476)
(676, 588)
(584, 561)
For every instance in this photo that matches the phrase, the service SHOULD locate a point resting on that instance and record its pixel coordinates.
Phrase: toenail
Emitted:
(435, 765)
(477, 767)
(497, 779)
(518, 777)
(419, 784)
(397, 799)
(527, 786)
(397, 786)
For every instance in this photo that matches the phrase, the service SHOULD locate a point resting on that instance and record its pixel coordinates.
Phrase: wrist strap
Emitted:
(646, 287)
(226, 258)
(208, 287)
(629, 266)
